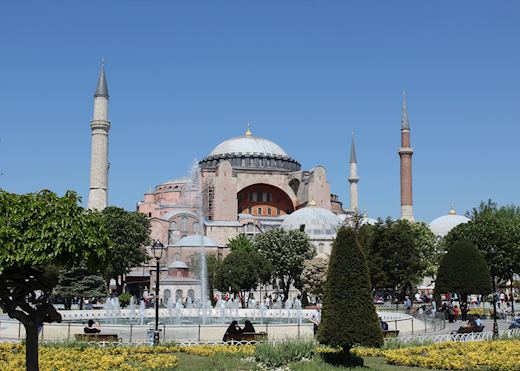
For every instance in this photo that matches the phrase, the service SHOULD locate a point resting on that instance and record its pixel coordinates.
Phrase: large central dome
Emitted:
(251, 153)
(248, 144)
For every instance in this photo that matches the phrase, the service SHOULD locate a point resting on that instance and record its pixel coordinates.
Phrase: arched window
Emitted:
(177, 257)
(268, 211)
(195, 227)
(321, 248)
(167, 295)
(259, 211)
(191, 294)
(178, 295)
(179, 274)
(171, 233)
(184, 224)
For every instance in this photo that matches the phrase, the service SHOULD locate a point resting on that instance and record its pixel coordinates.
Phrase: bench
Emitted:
(246, 336)
(97, 337)
(390, 333)
(468, 329)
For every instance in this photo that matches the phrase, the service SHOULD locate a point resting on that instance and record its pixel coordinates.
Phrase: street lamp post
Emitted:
(492, 252)
(157, 253)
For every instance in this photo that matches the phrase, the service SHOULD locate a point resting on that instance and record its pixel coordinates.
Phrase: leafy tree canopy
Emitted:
(240, 242)
(242, 271)
(349, 317)
(39, 230)
(79, 282)
(286, 251)
(129, 233)
(314, 276)
(492, 227)
(463, 270)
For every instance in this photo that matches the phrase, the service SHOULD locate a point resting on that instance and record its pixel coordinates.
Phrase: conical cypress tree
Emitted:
(349, 317)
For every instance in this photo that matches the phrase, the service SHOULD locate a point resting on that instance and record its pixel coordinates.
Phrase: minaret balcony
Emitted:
(405, 150)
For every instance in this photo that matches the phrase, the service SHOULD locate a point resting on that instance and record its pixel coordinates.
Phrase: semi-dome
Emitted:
(442, 225)
(195, 240)
(318, 221)
(250, 152)
(178, 264)
(248, 144)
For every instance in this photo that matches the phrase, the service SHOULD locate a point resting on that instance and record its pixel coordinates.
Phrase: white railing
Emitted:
(472, 336)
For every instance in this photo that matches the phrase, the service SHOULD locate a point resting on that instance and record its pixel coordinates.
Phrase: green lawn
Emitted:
(227, 362)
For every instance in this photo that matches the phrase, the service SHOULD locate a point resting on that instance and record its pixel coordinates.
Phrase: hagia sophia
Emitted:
(245, 184)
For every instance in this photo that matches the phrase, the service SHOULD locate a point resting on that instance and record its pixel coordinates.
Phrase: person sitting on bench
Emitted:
(233, 329)
(92, 328)
(248, 327)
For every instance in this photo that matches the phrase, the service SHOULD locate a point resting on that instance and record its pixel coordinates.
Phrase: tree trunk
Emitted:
(31, 346)
(68, 303)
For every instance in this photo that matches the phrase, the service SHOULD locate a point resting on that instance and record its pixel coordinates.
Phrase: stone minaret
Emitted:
(353, 179)
(405, 153)
(97, 197)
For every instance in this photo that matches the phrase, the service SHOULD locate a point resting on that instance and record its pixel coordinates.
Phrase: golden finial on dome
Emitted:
(452, 210)
(248, 130)
(365, 214)
(312, 203)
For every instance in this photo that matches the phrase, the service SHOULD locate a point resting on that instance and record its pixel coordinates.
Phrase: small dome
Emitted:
(178, 265)
(195, 241)
(317, 221)
(248, 144)
(442, 225)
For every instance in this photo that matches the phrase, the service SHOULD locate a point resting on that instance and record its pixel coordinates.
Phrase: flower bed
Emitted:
(12, 357)
(493, 355)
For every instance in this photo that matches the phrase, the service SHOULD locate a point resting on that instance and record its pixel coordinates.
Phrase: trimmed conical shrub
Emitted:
(349, 317)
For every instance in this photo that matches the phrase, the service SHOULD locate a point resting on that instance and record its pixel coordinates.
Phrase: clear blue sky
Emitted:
(184, 76)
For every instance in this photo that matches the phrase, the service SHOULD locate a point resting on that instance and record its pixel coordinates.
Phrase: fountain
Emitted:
(132, 309)
(288, 306)
(141, 312)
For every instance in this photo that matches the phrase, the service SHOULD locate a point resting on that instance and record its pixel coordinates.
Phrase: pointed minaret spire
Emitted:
(405, 125)
(353, 178)
(405, 154)
(102, 88)
(98, 193)
(353, 158)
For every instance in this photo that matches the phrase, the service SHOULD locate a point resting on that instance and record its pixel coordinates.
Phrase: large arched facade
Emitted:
(264, 200)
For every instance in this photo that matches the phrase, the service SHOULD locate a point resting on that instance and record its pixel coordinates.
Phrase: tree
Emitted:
(129, 233)
(79, 282)
(242, 271)
(349, 317)
(286, 251)
(314, 276)
(398, 253)
(39, 230)
(493, 227)
(240, 242)
(428, 247)
(463, 270)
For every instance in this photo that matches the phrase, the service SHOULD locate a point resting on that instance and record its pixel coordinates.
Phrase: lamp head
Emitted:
(157, 249)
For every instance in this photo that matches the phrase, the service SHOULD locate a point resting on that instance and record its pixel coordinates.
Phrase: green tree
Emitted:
(79, 282)
(129, 233)
(241, 272)
(428, 247)
(240, 242)
(39, 230)
(399, 253)
(463, 270)
(314, 276)
(286, 251)
(493, 227)
(349, 317)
